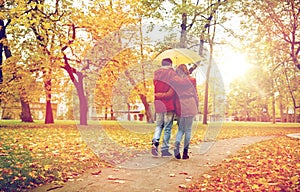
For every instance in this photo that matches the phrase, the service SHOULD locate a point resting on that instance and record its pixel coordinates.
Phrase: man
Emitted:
(164, 79)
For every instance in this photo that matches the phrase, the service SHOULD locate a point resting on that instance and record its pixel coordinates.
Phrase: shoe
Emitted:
(166, 153)
(185, 154)
(176, 150)
(177, 154)
(154, 151)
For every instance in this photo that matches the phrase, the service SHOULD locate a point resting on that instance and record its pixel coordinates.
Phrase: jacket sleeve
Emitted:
(165, 95)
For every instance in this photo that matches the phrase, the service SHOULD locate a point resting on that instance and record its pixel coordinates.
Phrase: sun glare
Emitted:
(232, 65)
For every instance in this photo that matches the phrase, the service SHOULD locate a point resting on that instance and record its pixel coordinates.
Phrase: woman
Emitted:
(186, 107)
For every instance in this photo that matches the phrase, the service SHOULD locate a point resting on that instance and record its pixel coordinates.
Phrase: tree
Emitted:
(36, 20)
(4, 46)
(279, 21)
(107, 48)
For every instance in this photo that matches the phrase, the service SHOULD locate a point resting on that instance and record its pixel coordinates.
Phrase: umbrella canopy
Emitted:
(179, 56)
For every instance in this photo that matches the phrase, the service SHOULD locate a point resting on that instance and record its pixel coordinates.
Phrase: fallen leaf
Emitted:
(110, 177)
(207, 176)
(183, 173)
(119, 181)
(189, 178)
(171, 175)
(96, 172)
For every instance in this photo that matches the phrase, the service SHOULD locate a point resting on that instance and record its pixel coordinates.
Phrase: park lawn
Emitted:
(272, 165)
(33, 154)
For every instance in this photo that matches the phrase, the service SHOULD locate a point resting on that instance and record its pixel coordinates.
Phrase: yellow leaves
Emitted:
(35, 155)
(43, 154)
(271, 165)
(33, 174)
(295, 180)
(47, 25)
(47, 167)
(255, 187)
(207, 176)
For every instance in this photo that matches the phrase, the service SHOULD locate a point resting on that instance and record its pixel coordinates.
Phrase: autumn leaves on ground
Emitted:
(35, 154)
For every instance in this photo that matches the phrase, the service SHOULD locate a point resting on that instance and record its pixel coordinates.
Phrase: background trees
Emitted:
(274, 29)
(104, 43)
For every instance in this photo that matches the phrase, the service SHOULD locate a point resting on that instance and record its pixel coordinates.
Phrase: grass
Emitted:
(34, 154)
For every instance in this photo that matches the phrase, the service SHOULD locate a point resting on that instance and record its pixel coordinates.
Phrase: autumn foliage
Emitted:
(35, 154)
(272, 165)
(32, 155)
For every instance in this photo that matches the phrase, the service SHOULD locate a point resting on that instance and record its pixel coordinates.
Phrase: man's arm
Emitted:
(165, 95)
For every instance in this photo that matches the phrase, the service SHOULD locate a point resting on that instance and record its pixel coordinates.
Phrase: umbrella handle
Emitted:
(193, 68)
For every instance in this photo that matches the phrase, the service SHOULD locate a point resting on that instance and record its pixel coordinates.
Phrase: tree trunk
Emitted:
(295, 115)
(111, 113)
(273, 109)
(147, 109)
(83, 109)
(281, 110)
(49, 113)
(105, 115)
(128, 112)
(2, 36)
(143, 98)
(205, 108)
(183, 31)
(26, 113)
(78, 83)
(1, 61)
(83, 103)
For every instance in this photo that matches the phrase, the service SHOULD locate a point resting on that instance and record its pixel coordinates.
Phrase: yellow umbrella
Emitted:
(179, 56)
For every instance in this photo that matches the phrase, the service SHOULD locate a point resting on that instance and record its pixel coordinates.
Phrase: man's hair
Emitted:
(166, 62)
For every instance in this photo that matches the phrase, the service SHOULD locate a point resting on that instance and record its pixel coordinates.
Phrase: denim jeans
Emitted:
(184, 128)
(163, 121)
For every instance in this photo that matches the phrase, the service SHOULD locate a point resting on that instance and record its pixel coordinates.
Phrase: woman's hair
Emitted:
(182, 70)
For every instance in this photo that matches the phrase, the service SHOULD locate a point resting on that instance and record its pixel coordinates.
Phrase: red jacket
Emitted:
(164, 79)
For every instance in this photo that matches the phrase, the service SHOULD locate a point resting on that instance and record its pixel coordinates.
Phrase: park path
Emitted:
(148, 174)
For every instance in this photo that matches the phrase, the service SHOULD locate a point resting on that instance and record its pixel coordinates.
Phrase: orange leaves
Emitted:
(96, 172)
(37, 155)
(271, 165)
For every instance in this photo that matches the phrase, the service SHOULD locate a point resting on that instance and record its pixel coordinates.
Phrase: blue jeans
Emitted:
(163, 121)
(184, 128)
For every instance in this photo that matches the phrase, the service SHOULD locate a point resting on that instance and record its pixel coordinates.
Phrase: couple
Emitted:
(175, 93)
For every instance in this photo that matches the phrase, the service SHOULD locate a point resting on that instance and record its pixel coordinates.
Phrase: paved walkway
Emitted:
(146, 173)
(294, 135)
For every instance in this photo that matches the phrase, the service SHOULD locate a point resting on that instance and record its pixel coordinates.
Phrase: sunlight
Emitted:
(232, 65)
